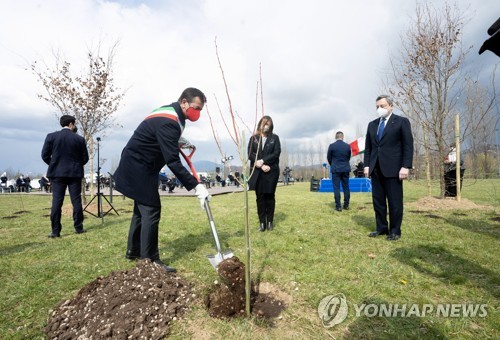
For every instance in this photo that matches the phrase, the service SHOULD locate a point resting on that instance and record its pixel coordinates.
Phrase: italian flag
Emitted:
(358, 146)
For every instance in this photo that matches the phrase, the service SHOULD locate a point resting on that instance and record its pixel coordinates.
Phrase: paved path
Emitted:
(217, 190)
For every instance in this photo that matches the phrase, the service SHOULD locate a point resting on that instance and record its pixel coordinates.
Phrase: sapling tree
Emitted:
(236, 128)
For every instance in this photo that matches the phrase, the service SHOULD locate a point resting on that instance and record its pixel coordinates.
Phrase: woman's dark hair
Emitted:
(260, 125)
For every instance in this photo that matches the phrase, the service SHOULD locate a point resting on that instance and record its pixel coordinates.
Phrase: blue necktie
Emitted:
(381, 129)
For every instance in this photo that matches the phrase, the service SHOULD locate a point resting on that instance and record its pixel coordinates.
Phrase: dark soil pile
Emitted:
(227, 299)
(137, 303)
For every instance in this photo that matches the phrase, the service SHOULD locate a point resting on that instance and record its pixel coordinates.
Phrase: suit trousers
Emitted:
(143, 233)
(266, 204)
(74, 186)
(337, 179)
(387, 190)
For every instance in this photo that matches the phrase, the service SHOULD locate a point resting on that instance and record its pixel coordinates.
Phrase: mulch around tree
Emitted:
(434, 203)
(227, 298)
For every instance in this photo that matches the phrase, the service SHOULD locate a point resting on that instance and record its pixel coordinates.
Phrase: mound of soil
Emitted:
(137, 303)
(67, 209)
(434, 203)
(227, 298)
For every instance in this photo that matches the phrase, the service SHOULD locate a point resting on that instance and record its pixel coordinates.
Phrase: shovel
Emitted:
(220, 256)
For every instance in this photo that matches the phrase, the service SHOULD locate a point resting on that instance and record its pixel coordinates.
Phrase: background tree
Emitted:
(91, 96)
(426, 78)
(479, 121)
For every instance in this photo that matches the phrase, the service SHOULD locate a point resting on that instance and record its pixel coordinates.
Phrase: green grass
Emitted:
(312, 252)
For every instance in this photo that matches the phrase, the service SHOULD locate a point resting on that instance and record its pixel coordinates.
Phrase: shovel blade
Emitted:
(216, 259)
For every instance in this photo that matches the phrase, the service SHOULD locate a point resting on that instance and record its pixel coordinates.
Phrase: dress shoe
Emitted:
(164, 266)
(376, 233)
(52, 235)
(393, 237)
(130, 255)
(80, 231)
(269, 226)
(262, 226)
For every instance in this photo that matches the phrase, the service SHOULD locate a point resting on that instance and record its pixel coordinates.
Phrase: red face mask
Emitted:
(192, 114)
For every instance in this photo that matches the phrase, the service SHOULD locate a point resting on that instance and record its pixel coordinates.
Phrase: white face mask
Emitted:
(382, 113)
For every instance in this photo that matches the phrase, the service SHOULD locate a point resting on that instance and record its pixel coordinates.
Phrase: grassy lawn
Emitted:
(450, 258)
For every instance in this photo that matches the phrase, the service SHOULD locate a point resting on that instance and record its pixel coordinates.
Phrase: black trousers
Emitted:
(266, 204)
(387, 191)
(337, 178)
(143, 233)
(450, 182)
(74, 186)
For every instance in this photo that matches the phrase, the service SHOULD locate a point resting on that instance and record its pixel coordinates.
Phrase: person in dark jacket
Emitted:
(22, 184)
(388, 160)
(264, 151)
(45, 184)
(66, 153)
(450, 172)
(339, 154)
(155, 143)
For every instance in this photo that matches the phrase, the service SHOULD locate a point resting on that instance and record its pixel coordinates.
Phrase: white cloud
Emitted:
(322, 63)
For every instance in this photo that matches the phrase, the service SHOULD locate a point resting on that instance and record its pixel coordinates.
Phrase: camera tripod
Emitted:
(100, 212)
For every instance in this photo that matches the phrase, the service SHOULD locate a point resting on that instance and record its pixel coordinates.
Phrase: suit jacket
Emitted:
(339, 154)
(154, 143)
(270, 154)
(395, 148)
(66, 153)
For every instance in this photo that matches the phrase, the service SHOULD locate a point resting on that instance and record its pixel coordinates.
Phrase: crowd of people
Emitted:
(24, 184)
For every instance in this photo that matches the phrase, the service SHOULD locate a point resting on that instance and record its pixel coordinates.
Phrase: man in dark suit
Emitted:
(66, 153)
(339, 154)
(388, 158)
(156, 143)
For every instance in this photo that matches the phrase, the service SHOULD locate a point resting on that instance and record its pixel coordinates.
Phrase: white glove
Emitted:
(202, 194)
(366, 171)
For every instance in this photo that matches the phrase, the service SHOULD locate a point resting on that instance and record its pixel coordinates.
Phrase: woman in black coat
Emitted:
(264, 150)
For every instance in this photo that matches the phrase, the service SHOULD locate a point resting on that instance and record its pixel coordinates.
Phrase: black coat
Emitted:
(395, 148)
(270, 154)
(66, 153)
(154, 143)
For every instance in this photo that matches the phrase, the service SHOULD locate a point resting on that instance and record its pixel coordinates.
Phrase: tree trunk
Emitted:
(427, 163)
(91, 165)
(84, 197)
(486, 165)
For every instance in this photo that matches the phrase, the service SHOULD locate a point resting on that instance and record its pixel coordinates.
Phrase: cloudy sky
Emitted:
(322, 64)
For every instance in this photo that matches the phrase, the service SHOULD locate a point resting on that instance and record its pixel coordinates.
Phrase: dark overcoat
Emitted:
(66, 153)
(154, 143)
(338, 155)
(395, 148)
(270, 154)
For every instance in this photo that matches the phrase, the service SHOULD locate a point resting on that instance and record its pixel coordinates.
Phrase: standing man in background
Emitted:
(339, 154)
(66, 153)
(388, 160)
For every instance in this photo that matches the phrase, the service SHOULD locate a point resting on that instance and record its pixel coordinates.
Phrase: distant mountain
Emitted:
(206, 166)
